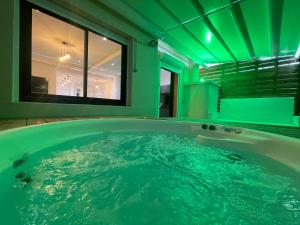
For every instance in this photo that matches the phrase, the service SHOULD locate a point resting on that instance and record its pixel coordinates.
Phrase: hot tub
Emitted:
(138, 171)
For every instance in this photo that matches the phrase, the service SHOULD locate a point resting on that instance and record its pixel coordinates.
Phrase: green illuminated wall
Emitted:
(279, 111)
(144, 95)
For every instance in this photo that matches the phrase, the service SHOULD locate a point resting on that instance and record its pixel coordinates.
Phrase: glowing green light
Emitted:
(298, 53)
(202, 79)
(208, 36)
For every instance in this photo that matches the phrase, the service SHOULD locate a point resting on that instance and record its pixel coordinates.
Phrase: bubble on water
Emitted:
(153, 178)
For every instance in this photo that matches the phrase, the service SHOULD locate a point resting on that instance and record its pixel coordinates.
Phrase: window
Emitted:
(104, 68)
(61, 61)
(57, 56)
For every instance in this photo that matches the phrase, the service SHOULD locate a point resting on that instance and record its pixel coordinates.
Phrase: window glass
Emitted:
(57, 56)
(69, 62)
(104, 68)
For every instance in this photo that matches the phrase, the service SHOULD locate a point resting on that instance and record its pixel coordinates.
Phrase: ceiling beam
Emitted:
(212, 28)
(209, 13)
(157, 31)
(185, 29)
(178, 47)
(240, 20)
(276, 10)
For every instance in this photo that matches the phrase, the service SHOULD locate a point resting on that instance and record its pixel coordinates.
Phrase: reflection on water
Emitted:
(150, 178)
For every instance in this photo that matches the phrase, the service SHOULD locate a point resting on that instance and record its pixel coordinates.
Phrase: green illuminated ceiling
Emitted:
(212, 31)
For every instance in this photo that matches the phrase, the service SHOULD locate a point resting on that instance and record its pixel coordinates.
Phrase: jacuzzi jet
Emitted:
(20, 161)
(22, 181)
(212, 127)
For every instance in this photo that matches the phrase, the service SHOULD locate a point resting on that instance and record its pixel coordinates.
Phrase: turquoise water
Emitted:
(138, 178)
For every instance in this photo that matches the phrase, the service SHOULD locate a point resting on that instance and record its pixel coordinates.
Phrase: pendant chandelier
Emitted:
(65, 52)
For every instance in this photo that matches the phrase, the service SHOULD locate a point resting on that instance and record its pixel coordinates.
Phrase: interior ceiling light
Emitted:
(297, 55)
(208, 36)
(65, 52)
(104, 38)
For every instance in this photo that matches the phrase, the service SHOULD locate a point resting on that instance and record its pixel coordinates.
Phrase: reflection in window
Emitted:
(69, 62)
(104, 68)
(57, 56)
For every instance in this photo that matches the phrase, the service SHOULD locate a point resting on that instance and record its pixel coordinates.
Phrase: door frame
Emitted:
(169, 63)
(173, 106)
(174, 94)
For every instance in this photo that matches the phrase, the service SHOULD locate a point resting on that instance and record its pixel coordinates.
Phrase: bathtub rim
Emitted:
(276, 138)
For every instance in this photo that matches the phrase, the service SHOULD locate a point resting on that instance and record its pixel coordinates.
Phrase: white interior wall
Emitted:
(40, 69)
(165, 77)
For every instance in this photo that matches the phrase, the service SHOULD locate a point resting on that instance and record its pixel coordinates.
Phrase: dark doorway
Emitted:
(168, 93)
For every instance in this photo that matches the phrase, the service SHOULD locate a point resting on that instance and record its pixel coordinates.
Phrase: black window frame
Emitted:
(25, 63)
